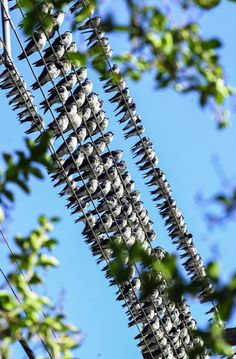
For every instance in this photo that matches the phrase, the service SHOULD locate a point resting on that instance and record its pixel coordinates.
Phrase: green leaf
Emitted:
(213, 270)
(2, 215)
(207, 4)
(47, 261)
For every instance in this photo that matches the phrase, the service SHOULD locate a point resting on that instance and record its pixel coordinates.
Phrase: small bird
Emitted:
(94, 35)
(91, 24)
(59, 95)
(50, 72)
(73, 162)
(86, 87)
(59, 125)
(81, 74)
(137, 131)
(27, 112)
(78, 5)
(90, 163)
(111, 86)
(65, 67)
(120, 95)
(69, 81)
(17, 87)
(113, 72)
(102, 191)
(77, 98)
(37, 124)
(24, 102)
(51, 54)
(72, 48)
(88, 188)
(132, 122)
(35, 44)
(64, 39)
(66, 147)
(24, 95)
(129, 289)
(129, 112)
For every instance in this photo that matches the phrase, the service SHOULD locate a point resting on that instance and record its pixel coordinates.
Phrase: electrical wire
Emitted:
(203, 279)
(72, 189)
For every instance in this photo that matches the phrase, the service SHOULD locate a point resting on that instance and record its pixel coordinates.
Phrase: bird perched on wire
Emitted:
(78, 5)
(35, 44)
(58, 126)
(59, 95)
(85, 87)
(69, 81)
(50, 72)
(78, 99)
(65, 66)
(136, 131)
(64, 39)
(23, 95)
(91, 24)
(51, 54)
(66, 147)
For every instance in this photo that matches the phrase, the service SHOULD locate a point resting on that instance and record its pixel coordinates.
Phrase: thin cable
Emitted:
(153, 167)
(29, 352)
(72, 189)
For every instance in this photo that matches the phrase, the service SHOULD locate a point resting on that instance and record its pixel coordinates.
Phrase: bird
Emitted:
(85, 87)
(120, 95)
(51, 54)
(81, 74)
(91, 24)
(78, 5)
(50, 72)
(114, 72)
(94, 35)
(129, 289)
(102, 191)
(59, 125)
(64, 39)
(28, 111)
(137, 131)
(111, 86)
(134, 121)
(72, 48)
(59, 95)
(65, 66)
(88, 188)
(66, 147)
(73, 162)
(77, 99)
(24, 95)
(69, 81)
(35, 44)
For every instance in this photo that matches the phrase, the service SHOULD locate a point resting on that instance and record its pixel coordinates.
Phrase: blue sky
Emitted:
(186, 140)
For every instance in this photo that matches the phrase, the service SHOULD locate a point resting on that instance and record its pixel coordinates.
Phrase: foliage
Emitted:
(154, 270)
(25, 315)
(30, 316)
(173, 50)
(20, 167)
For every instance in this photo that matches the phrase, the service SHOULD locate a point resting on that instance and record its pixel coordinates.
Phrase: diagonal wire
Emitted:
(73, 191)
(203, 278)
(29, 352)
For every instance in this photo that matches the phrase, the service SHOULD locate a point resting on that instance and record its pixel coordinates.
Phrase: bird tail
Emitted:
(35, 85)
(21, 56)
